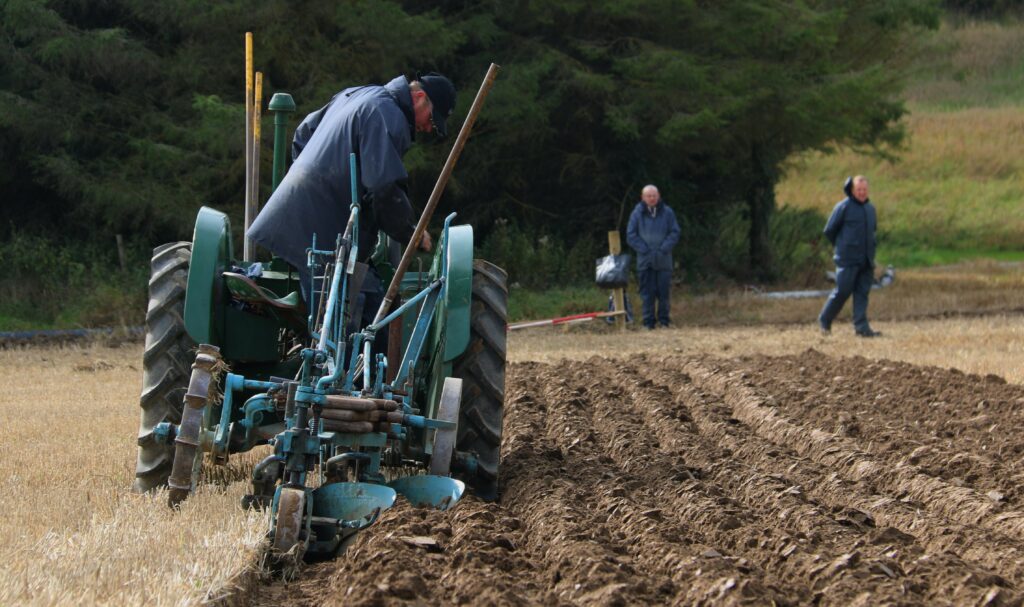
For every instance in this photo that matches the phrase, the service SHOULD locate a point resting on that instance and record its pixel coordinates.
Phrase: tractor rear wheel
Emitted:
(166, 363)
(482, 370)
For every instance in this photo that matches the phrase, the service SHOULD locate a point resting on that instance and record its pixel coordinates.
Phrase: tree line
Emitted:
(123, 116)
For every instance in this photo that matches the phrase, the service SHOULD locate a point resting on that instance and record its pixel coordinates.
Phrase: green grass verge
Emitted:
(528, 304)
(917, 256)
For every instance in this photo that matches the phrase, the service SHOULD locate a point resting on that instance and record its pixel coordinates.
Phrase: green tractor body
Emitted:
(351, 427)
(252, 338)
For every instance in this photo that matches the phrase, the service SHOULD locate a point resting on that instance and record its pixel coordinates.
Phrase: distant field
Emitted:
(956, 190)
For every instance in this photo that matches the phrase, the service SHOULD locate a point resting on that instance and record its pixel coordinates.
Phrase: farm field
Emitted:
(730, 464)
(686, 480)
(740, 457)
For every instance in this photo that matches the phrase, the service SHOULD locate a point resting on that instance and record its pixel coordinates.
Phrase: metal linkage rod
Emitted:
(435, 196)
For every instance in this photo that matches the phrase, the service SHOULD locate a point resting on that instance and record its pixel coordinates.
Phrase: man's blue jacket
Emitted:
(375, 122)
(653, 236)
(851, 228)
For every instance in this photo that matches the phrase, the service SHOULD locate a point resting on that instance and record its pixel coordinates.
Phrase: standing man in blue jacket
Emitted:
(653, 232)
(851, 228)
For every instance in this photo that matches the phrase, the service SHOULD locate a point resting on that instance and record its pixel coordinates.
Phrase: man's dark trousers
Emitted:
(655, 285)
(850, 280)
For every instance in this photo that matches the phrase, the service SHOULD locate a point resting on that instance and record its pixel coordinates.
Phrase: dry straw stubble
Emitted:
(72, 531)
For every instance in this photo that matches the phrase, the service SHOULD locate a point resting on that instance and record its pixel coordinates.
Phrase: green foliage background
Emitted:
(124, 116)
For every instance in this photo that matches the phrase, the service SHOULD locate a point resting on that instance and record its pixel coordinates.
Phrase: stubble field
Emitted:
(696, 465)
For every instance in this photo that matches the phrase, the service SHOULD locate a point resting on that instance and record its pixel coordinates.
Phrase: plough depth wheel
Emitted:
(291, 506)
(444, 440)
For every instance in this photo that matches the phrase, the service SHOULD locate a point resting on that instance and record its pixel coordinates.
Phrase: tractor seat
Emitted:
(244, 288)
(289, 310)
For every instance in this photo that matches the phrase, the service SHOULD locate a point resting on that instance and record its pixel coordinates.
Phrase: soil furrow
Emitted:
(664, 553)
(960, 504)
(811, 541)
(691, 481)
(961, 428)
(990, 557)
(800, 543)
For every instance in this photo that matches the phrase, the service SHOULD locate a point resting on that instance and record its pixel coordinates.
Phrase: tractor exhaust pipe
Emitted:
(435, 196)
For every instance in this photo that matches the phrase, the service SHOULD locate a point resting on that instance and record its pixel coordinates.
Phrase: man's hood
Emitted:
(402, 94)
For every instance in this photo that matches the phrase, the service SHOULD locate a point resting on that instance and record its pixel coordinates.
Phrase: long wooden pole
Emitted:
(257, 114)
(618, 295)
(435, 196)
(247, 252)
(564, 320)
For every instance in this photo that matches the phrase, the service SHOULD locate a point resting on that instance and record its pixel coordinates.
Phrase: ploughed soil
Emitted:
(679, 480)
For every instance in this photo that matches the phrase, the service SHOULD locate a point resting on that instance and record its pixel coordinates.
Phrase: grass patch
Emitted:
(954, 192)
(530, 304)
(912, 256)
(73, 532)
(970, 64)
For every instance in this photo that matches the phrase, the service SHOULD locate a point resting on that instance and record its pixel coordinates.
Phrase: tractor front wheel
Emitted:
(482, 370)
(166, 364)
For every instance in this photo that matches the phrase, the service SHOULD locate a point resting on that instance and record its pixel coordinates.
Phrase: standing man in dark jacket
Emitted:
(378, 123)
(653, 232)
(851, 228)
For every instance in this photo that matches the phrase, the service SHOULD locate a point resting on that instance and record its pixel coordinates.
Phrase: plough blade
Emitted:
(439, 492)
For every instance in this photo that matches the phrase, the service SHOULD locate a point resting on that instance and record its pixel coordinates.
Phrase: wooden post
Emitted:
(120, 253)
(247, 247)
(257, 115)
(618, 295)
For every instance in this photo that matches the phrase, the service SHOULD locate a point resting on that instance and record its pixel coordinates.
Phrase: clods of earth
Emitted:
(677, 480)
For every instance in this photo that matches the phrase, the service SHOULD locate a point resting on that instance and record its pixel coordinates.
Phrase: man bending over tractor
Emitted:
(378, 123)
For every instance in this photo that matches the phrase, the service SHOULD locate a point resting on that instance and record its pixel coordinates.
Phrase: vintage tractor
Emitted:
(235, 359)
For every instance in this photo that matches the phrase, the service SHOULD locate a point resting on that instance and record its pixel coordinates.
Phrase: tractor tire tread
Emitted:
(160, 251)
(494, 297)
(166, 361)
(495, 275)
(490, 327)
(159, 305)
(482, 369)
(164, 339)
(161, 274)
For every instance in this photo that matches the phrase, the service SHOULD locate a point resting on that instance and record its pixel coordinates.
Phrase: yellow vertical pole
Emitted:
(247, 252)
(618, 295)
(257, 114)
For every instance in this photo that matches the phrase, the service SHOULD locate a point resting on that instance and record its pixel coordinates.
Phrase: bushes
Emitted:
(800, 252)
(539, 260)
(44, 284)
(544, 261)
